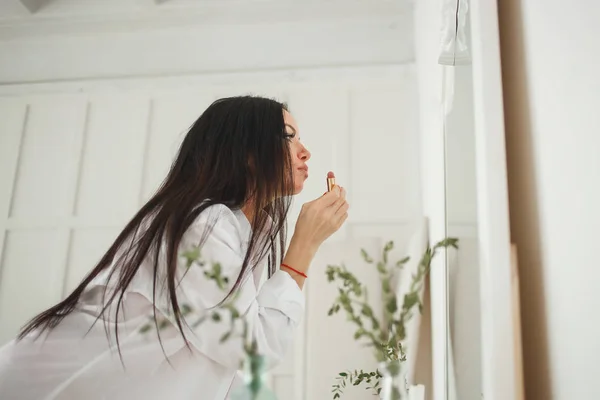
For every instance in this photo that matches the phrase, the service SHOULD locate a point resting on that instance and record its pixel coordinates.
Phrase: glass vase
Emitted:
(393, 384)
(255, 387)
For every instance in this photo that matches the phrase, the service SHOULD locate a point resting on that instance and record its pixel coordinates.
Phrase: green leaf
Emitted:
(388, 246)
(402, 262)
(392, 305)
(447, 242)
(330, 272)
(344, 374)
(191, 256)
(185, 309)
(385, 285)
(410, 299)
(366, 310)
(225, 337)
(366, 256)
(216, 317)
(163, 324)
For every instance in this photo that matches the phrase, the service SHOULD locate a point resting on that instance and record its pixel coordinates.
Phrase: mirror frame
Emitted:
(498, 338)
(497, 319)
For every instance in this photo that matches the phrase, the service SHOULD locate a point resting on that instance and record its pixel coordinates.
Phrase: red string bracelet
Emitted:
(294, 270)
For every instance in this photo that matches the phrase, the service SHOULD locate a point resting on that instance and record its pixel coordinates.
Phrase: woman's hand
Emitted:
(318, 220)
(321, 218)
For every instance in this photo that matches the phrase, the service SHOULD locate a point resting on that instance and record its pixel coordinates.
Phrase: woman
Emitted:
(228, 193)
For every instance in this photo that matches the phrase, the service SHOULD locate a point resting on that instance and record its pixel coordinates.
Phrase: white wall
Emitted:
(550, 59)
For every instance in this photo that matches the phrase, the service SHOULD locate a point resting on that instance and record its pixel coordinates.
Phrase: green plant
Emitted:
(193, 258)
(387, 334)
(255, 361)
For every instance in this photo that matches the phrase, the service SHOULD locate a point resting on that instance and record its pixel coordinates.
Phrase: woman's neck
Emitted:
(248, 210)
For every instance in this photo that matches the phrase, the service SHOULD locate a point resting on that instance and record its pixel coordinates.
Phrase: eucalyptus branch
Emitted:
(193, 258)
(356, 378)
(387, 335)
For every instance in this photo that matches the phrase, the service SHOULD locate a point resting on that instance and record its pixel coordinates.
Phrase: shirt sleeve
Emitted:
(272, 313)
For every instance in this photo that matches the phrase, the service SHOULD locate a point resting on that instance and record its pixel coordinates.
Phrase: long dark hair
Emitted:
(236, 153)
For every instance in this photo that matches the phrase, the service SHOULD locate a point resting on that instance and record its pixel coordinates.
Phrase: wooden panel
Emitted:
(50, 143)
(13, 114)
(385, 161)
(113, 157)
(86, 249)
(32, 276)
(172, 116)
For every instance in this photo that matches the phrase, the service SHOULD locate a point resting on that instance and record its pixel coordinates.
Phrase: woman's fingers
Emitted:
(329, 198)
(339, 202)
(343, 208)
(341, 219)
(322, 217)
(342, 193)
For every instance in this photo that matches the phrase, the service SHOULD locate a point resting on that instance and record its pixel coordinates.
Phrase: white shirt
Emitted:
(69, 364)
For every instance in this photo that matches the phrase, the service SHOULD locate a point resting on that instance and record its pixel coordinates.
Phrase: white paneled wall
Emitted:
(112, 159)
(74, 167)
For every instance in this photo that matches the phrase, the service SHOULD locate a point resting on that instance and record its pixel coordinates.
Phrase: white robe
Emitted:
(69, 364)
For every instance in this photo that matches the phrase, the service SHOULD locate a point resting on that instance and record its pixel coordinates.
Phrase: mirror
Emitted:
(463, 343)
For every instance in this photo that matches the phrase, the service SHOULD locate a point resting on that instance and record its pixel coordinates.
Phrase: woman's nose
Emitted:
(304, 154)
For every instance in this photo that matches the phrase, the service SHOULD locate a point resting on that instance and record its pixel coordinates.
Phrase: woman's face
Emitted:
(300, 155)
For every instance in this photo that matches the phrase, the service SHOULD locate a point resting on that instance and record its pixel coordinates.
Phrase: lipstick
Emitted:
(330, 181)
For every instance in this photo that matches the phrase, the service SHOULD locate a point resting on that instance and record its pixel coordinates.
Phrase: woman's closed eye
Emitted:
(291, 133)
